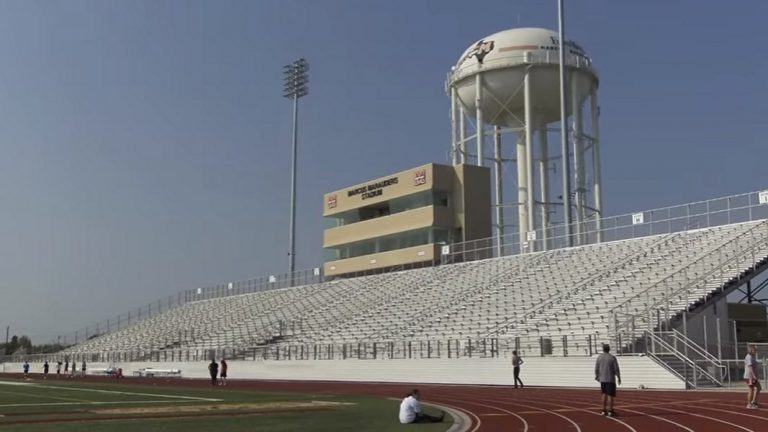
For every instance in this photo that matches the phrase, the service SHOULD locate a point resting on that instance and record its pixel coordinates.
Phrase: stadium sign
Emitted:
(373, 189)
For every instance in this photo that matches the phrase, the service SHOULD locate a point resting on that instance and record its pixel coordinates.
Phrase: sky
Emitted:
(145, 145)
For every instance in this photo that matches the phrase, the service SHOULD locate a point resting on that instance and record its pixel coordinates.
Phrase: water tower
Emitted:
(505, 103)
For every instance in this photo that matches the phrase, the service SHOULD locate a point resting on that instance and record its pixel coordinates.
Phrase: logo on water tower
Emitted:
(480, 50)
(332, 202)
(420, 177)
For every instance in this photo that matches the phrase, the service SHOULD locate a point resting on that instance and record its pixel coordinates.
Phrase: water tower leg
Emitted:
(497, 157)
(462, 137)
(529, 127)
(578, 159)
(479, 113)
(522, 192)
(597, 175)
(544, 185)
(454, 132)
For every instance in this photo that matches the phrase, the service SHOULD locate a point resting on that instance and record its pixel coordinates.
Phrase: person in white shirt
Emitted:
(751, 376)
(411, 412)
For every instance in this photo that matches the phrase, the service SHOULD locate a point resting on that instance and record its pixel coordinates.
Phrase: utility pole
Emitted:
(294, 86)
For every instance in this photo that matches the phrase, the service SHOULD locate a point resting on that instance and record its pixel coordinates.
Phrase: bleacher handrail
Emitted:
(623, 307)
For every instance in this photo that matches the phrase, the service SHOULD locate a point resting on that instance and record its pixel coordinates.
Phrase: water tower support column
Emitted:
(544, 185)
(529, 198)
(578, 160)
(522, 193)
(598, 193)
(454, 133)
(499, 198)
(462, 136)
(479, 127)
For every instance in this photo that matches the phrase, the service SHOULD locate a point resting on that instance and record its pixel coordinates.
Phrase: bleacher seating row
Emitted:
(564, 292)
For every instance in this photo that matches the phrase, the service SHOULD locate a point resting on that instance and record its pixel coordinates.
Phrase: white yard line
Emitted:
(42, 396)
(131, 393)
(90, 403)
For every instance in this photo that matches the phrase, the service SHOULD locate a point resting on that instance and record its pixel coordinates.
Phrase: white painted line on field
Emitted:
(132, 393)
(89, 403)
(16, 383)
(39, 396)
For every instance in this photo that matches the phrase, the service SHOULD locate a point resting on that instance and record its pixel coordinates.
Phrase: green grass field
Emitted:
(62, 405)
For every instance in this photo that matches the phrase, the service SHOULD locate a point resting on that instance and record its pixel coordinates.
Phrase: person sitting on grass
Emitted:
(411, 412)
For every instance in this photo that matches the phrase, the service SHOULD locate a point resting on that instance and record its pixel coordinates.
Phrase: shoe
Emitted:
(751, 406)
(612, 413)
(605, 413)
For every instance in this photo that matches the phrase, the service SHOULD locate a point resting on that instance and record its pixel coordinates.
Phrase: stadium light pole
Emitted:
(564, 127)
(295, 82)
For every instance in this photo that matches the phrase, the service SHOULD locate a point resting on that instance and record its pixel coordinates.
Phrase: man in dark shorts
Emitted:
(607, 374)
(213, 369)
(223, 374)
(58, 368)
(45, 369)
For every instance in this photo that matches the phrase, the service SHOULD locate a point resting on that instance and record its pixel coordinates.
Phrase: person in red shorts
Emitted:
(223, 373)
(751, 376)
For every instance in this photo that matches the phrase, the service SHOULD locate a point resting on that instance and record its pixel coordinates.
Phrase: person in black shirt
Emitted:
(213, 368)
(45, 370)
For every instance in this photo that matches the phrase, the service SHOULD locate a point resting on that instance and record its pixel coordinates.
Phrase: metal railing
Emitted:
(625, 321)
(435, 348)
(666, 220)
(695, 371)
(702, 214)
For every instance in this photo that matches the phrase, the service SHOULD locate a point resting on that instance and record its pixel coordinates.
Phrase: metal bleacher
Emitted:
(569, 292)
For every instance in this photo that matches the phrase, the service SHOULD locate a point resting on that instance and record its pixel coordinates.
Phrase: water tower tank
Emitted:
(504, 58)
(505, 95)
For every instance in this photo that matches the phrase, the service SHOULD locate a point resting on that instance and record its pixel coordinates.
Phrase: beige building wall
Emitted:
(468, 215)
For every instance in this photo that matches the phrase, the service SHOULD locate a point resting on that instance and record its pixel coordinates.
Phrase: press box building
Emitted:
(403, 219)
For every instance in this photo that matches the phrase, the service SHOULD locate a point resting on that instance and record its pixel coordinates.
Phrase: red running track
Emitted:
(501, 408)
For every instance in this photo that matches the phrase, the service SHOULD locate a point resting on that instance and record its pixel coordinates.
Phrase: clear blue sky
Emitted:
(145, 144)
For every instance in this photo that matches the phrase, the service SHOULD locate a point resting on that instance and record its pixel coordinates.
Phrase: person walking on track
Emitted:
(516, 362)
(223, 374)
(607, 374)
(213, 369)
(751, 376)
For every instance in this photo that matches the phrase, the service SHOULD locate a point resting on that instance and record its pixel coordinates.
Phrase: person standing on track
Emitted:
(223, 374)
(516, 362)
(607, 374)
(58, 368)
(83, 368)
(411, 412)
(46, 366)
(26, 369)
(213, 369)
(751, 376)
